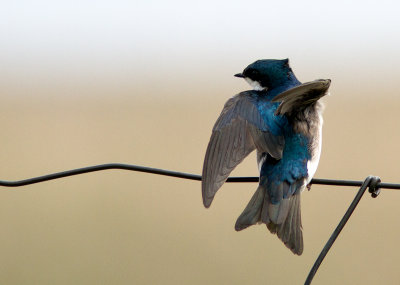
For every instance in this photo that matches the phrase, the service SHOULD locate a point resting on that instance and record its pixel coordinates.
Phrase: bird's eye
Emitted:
(252, 73)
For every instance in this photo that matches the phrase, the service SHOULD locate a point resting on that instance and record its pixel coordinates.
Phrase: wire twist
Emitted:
(370, 182)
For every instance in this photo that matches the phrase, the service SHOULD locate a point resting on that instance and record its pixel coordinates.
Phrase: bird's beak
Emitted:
(240, 75)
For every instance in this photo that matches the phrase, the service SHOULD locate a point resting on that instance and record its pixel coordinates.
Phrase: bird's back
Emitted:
(277, 199)
(281, 120)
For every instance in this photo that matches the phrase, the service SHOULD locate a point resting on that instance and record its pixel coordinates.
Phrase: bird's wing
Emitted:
(238, 131)
(301, 95)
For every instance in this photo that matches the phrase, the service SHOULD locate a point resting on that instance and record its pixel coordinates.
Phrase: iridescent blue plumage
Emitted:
(281, 119)
(293, 164)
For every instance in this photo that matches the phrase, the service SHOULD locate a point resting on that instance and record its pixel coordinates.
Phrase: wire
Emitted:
(370, 181)
(176, 174)
(373, 183)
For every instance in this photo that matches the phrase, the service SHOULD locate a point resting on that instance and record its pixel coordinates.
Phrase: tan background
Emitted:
(144, 85)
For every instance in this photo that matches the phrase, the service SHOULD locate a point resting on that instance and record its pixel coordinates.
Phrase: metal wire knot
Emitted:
(374, 186)
(372, 183)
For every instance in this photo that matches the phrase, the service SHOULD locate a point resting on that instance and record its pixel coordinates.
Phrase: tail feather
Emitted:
(283, 219)
(275, 213)
(252, 213)
(290, 231)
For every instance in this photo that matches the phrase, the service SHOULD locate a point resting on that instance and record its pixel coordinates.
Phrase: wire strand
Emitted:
(374, 186)
(138, 168)
(370, 180)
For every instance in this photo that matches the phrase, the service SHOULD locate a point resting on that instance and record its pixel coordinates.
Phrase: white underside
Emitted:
(312, 167)
(313, 163)
(256, 86)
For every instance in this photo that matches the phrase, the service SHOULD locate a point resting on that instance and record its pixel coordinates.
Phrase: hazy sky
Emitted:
(147, 40)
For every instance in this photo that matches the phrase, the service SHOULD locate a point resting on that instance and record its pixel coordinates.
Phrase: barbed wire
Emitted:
(372, 182)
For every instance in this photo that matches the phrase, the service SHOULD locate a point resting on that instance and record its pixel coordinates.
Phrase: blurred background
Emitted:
(142, 82)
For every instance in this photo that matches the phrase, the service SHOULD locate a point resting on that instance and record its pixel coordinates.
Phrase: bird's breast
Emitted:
(315, 151)
(315, 142)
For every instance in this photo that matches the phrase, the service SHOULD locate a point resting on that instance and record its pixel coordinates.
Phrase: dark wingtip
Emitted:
(239, 226)
(297, 251)
(207, 202)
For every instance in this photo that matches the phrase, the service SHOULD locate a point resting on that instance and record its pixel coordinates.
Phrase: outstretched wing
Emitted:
(301, 96)
(238, 131)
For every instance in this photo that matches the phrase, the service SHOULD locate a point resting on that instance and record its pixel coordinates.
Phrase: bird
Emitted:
(280, 118)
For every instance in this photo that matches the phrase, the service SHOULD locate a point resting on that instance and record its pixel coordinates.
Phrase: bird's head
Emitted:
(267, 73)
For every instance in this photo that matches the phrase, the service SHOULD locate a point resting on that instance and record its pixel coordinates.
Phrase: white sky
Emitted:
(152, 38)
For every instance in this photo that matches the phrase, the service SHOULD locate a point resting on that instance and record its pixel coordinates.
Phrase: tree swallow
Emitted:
(281, 119)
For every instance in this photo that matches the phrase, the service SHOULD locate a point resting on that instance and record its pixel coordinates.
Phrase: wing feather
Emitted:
(301, 95)
(237, 132)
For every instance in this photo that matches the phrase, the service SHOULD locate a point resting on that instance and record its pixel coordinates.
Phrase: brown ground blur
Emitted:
(120, 227)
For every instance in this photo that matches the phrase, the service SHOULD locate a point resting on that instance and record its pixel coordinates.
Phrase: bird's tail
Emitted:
(252, 213)
(290, 230)
(282, 219)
